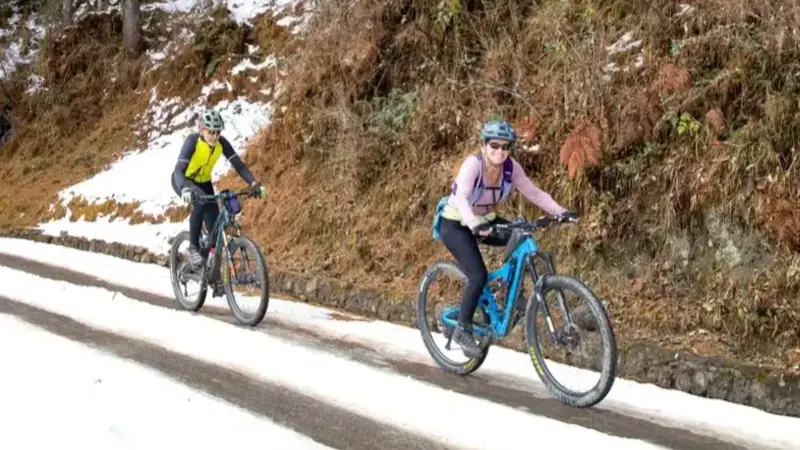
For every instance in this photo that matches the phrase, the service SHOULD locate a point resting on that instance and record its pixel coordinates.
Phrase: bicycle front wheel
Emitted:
(182, 276)
(586, 346)
(249, 270)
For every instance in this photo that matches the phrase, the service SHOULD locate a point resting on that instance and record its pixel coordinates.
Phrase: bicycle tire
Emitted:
(176, 289)
(611, 352)
(263, 278)
(463, 369)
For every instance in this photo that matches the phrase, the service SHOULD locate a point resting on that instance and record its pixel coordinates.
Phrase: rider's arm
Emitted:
(532, 192)
(465, 181)
(236, 161)
(183, 160)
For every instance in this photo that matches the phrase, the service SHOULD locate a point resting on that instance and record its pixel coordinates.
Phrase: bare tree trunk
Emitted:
(131, 27)
(66, 11)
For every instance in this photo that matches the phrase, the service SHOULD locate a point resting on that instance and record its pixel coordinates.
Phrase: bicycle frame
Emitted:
(511, 272)
(221, 238)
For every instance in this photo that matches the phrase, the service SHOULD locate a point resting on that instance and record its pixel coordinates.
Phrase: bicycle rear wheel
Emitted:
(245, 250)
(436, 298)
(573, 348)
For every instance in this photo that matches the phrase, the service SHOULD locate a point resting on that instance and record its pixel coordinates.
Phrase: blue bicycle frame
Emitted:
(511, 273)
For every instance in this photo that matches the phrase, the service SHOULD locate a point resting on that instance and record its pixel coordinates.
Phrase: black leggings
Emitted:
(200, 210)
(463, 245)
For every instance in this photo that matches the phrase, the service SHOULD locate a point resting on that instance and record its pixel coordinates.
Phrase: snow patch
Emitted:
(245, 64)
(144, 175)
(624, 44)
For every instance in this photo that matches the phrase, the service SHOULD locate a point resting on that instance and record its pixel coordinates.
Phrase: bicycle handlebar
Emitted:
(541, 222)
(223, 195)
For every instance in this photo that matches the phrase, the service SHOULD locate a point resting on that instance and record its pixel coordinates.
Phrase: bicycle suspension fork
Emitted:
(539, 292)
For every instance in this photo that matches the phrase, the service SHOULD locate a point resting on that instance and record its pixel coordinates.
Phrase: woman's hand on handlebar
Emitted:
(482, 229)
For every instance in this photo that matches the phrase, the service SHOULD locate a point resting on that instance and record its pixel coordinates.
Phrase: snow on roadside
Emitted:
(87, 398)
(19, 51)
(712, 417)
(143, 174)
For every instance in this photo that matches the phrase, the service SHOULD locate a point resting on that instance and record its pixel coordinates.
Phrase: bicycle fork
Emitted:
(555, 335)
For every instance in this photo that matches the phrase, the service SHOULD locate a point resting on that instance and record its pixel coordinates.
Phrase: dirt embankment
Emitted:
(675, 143)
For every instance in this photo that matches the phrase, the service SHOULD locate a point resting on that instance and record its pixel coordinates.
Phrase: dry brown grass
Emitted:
(581, 148)
(385, 98)
(75, 127)
(79, 208)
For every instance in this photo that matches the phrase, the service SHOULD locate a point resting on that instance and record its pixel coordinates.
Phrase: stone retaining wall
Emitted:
(702, 376)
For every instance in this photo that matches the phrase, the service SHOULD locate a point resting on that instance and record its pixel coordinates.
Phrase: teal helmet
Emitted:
(498, 129)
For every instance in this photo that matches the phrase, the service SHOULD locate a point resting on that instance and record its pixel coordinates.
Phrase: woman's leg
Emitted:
(196, 219)
(462, 245)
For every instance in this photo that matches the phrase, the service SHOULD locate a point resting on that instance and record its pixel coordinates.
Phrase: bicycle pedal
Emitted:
(217, 289)
(448, 332)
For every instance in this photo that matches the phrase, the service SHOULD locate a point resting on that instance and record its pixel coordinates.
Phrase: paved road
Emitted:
(329, 425)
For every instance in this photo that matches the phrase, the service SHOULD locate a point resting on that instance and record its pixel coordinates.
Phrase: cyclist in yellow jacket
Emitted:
(192, 175)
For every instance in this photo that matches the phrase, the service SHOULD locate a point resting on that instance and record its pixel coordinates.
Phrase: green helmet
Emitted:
(210, 119)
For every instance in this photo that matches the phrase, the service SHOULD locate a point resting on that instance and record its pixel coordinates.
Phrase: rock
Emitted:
(311, 286)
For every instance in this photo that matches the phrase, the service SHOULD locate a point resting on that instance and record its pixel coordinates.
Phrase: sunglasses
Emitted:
(496, 146)
(213, 132)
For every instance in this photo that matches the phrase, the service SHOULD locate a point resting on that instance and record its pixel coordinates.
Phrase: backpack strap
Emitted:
(477, 189)
(508, 169)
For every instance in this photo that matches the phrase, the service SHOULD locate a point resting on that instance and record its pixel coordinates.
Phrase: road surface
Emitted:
(330, 425)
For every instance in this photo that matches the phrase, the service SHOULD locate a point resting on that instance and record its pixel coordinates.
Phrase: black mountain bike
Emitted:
(228, 242)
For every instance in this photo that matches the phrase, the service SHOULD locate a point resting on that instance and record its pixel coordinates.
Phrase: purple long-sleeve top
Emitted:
(465, 182)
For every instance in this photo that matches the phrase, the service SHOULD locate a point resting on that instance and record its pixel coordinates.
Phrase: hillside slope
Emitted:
(690, 215)
(669, 127)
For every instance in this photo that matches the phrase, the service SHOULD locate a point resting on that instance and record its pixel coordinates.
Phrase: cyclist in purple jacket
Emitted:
(484, 181)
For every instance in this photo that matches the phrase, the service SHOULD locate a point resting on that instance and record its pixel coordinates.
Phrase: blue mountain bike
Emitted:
(219, 269)
(434, 314)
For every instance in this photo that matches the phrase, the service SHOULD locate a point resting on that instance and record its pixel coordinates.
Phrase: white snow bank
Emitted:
(728, 421)
(153, 237)
(378, 394)
(18, 51)
(144, 175)
(241, 11)
(60, 394)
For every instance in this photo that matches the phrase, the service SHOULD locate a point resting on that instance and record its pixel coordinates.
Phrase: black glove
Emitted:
(257, 190)
(568, 216)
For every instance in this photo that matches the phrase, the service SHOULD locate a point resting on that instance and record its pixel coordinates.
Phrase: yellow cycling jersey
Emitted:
(202, 161)
(197, 159)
